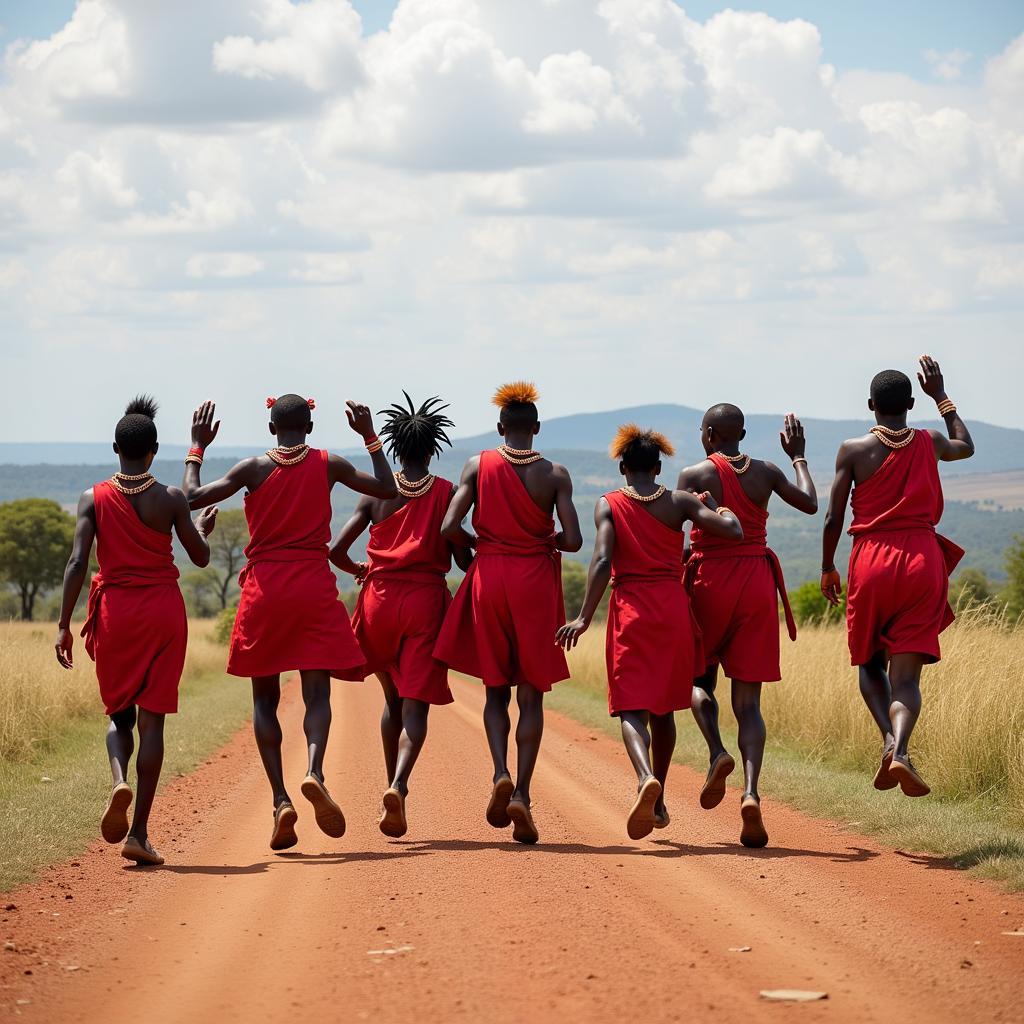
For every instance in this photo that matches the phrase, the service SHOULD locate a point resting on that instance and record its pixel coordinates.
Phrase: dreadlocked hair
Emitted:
(638, 448)
(290, 412)
(415, 434)
(135, 433)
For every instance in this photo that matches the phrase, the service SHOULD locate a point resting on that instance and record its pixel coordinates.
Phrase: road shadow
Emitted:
(261, 867)
(995, 849)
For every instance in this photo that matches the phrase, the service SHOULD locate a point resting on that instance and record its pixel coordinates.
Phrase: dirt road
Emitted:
(456, 923)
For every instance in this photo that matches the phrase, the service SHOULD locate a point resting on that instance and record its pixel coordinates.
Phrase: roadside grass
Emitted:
(822, 751)
(52, 728)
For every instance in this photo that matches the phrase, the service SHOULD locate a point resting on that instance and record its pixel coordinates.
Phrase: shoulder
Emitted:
(560, 473)
(473, 463)
(246, 465)
(697, 470)
(87, 499)
(770, 469)
(853, 446)
(176, 496)
(684, 499)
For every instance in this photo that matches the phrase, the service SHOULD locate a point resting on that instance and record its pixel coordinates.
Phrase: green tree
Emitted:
(201, 590)
(810, 606)
(970, 585)
(1013, 593)
(227, 552)
(35, 540)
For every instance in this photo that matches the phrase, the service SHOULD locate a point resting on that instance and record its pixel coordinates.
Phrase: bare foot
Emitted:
(392, 822)
(883, 777)
(640, 822)
(714, 786)
(904, 772)
(497, 806)
(283, 837)
(523, 828)
(114, 823)
(753, 833)
(328, 814)
(141, 853)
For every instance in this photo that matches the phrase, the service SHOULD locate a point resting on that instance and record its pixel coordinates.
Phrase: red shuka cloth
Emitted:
(501, 626)
(898, 584)
(135, 629)
(403, 601)
(289, 616)
(735, 588)
(651, 643)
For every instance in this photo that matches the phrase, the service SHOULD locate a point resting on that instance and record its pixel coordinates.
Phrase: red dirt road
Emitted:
(456, 923)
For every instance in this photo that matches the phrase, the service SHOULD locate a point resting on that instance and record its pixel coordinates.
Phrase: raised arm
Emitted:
(570, 537)
(801, 495)
(831, 584)
(74, 575)
(193, 534)
(957, 444)
(598, 577)
(350, 532)
(381, 484)
(465, 494)
(204, 430)
(703, 511)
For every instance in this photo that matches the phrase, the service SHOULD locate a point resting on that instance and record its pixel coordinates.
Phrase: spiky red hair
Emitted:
(519, 392)
(630, 432)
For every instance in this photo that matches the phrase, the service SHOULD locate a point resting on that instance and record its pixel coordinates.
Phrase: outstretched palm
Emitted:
(204, 427)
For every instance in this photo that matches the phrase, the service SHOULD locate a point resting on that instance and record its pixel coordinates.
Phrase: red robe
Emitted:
(898, 584)
(403, 601)
(501, 626)
(650, 644)
(735, 588)
(289, 616)
(135, 629)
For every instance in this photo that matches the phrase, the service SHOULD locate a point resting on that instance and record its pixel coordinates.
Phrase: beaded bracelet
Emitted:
(722, 509)
(946, 407)
(374, 444)
(195, 455)
(799, 458)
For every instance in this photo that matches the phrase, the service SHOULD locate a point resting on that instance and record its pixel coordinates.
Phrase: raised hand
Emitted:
(831, 586)
(930, 379)
(568, 636)
(359, 419)
(204, 428)
(794, 444)
(65, 641)
(207, 520)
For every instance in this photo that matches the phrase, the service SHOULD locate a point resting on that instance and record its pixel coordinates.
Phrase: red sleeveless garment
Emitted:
(651, 647)
(501, 626)
(898, 585)
(289, 616)
(404, 598)
(135, 628)
(735, 588)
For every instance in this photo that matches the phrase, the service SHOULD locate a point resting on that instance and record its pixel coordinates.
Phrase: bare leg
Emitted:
(147, 767)
(497, 725)
(316, 693)
(390, 724)
(414, 734)
(663, 745)
(705, 712)
(875, 689)
(266, 695)
(121, 743)
(746, 705)
(905, 678)
(529, 732)
(637, 739)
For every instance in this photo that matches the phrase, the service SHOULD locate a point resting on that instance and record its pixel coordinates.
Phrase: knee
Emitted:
(124, 720)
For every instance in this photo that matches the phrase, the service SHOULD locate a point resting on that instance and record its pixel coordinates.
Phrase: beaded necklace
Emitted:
(120, 479)
(893, 438)
(519, 456)
(632, 492)
(413, 489)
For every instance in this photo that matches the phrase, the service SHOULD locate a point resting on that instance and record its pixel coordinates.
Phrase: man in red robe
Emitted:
(898, 594)
(289, 616)
(501, 624)
(651, 643)
(135, 629)
(735, 589)
(404, 592)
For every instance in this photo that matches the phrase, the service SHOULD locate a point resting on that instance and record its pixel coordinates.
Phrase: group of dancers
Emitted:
(677, 613)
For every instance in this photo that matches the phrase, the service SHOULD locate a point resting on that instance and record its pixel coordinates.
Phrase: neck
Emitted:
(524, 442)
(642, 483)
(414, 469)
(728, 448)
(896, 422)
(132, 467)
(290, 438)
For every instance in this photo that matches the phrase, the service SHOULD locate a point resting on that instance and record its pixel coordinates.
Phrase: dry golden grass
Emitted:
(38, 697)
(969, 742)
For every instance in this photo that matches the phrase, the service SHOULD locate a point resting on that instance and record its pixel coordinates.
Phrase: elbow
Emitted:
(737, 533)
(450, 531)
(811, 508)
(574, 544)
(602, 565)
(76, 566)
(201, 559)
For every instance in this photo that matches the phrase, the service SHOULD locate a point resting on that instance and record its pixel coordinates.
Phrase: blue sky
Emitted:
(879, 35)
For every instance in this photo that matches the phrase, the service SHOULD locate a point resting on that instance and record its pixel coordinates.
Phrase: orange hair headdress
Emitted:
(519, 392)
(630, 432)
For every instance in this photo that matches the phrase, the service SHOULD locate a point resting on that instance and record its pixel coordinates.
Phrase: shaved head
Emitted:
(726, 421)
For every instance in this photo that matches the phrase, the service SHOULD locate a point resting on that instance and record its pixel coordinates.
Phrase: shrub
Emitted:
(224, 624)
(810, 606)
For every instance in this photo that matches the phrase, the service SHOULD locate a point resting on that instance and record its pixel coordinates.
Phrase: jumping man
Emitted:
(289, 616)
(898, 595)
(735, 589)
(404, 593)
(135, 628)
(651, 646)
(501, 624)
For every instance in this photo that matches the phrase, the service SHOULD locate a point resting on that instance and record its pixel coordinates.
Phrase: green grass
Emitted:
(46, 822)
(977, 834)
